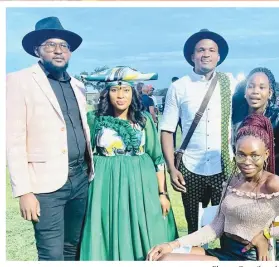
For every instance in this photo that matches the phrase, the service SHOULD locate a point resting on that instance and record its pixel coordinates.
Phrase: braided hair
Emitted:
(239, 99)
(271, 79)
(259, 126)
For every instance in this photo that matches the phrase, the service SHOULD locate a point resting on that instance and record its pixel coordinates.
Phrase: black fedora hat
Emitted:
(49, 28)
(190, 44)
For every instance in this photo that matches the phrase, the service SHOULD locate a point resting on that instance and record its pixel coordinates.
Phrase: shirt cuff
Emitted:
(159, 167)
(167, 127)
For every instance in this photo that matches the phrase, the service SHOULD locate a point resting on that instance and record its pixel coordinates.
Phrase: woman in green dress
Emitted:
(128, 207)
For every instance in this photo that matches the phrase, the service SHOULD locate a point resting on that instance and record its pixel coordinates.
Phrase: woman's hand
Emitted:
(261, 243)
(158, 251)
(165, 204)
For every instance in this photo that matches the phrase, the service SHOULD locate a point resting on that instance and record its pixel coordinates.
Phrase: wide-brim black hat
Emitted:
(190, 44)
(48, 28)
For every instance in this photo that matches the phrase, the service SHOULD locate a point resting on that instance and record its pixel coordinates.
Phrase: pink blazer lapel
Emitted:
(42, 81)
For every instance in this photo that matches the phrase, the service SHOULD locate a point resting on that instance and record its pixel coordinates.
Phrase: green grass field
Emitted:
(20, 242)
(20, 235)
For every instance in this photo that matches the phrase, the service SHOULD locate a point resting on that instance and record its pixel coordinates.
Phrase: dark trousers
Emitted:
(199, 189)
(58, 232)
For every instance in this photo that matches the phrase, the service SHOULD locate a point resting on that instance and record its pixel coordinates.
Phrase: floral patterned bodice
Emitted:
(114, 136)
(110, 143)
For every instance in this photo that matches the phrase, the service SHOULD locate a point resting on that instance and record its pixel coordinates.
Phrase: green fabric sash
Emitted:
(226, 99)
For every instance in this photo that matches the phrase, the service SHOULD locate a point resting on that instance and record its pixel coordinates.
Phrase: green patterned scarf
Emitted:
(226, 98)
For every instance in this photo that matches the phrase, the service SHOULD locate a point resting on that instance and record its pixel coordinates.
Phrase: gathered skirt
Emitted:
(124, 217)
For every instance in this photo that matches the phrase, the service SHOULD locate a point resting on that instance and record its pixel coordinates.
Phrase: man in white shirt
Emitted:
(206, 162)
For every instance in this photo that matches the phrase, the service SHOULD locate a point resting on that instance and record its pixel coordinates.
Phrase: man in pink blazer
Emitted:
(48, 141)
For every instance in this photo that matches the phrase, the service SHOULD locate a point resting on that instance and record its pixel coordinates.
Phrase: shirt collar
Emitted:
(65, 78)
(200, 78)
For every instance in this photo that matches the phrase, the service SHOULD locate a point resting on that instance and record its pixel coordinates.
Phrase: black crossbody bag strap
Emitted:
(198, 116)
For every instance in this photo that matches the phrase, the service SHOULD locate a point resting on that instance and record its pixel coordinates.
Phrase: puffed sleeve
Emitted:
(152, 144)
(91, 120)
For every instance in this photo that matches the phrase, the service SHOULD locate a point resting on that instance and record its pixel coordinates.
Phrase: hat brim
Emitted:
(190, 44)
(36, 38)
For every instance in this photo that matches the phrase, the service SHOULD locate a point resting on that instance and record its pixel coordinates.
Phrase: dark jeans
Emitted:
(62, 213)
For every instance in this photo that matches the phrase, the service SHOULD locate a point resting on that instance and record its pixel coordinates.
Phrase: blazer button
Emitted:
(64, 151)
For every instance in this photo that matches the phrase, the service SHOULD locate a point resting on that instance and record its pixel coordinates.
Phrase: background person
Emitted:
(148, 102)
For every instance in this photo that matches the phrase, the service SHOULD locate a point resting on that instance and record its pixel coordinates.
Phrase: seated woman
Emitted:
(128, 207)
(249, 204)
(257, 94)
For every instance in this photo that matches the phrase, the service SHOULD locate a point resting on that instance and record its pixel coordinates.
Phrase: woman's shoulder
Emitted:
(91, 115)
(272, 111)
(272, 183)
(147, 116)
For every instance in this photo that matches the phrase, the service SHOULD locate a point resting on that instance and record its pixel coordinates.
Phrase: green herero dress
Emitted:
(124, 216)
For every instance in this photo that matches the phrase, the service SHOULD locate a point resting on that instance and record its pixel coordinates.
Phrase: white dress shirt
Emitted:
(203, 153)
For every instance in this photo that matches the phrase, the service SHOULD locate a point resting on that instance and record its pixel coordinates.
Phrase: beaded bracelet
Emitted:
(266, 233)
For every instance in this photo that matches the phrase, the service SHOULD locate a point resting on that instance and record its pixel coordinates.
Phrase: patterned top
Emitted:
(242, 213)
(110, 143)
(116, 137)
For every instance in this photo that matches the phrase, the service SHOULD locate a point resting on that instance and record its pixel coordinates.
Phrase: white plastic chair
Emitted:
(206, 216)
(273, 243)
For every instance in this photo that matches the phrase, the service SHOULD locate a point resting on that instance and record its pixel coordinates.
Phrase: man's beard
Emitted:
(55, 69)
